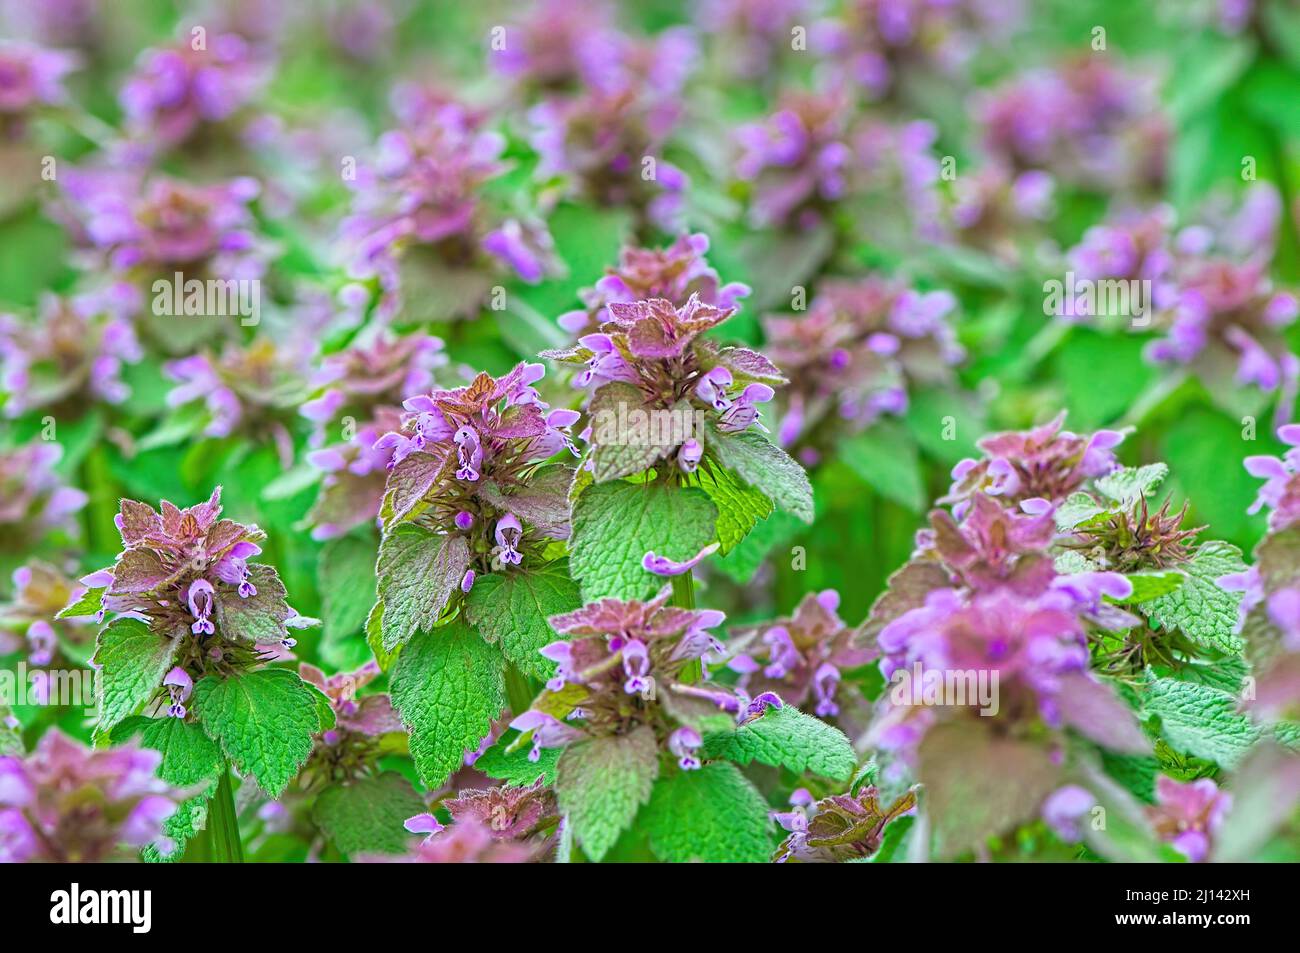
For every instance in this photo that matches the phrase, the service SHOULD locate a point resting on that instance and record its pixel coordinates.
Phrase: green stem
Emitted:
(684, 590)
(684, 598)
(518, 692)
(224, 823)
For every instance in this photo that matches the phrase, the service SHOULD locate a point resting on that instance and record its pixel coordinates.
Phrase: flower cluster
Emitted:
(673, 273)
(363, 390)
(463, 456)
(186, 572)
(852, 357)
(33, 80)
(66, 803)
(803, 656)
(651, 357)
(1044, 463)
(351, 747)
(838, 828)
(143, 226)
(28, 621)
(797, 160)
(874, 44)
(1270, 605)
(1088, 122)
(177, 91)
(34, 500)
(253, 390)
(69, 358)
(518, 819)
(421, 190)
(624, 667)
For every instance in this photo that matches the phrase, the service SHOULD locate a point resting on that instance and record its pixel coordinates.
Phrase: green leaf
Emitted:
(740, 507)
(448, 685)
(1199, 608)
(132, 661)
(511, 609)
(513, 767)
(1200, 720)
(1127, 485)
(712, 815)
(418, 571)
(1150, 585)
(786, 737)
(602, 783)
(86, 605)
(621, 450)
(616, 524)
(366, 815)
(343, 577)
(766, 467)
(1077, 508)
(189, 755)
(743, 561)
(375, 638)
(885, 456)
(260, 617)
(264, 722)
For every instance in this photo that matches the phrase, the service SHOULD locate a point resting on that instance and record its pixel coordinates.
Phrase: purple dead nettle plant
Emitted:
(365, 726)
(748, 37)
(35, 501)
(632, 690)
(605, 143)
(68, 359)
(986, 637)
(673, 273)
(1089, 123)
(854, 355)
(1212, 302)
(838, 828)
(797, 161)
(253, 391)
(474, 520)
(34, 78)
(140, 229)
(1270, 607)
(803, 658)
(521, 821)
(191, 624)
(179, 94)
(362, 389)
(417, 205)
(871, 47)
(28, 624)
(66, 803)
(624, 669)
(185, 573)
(651, 356)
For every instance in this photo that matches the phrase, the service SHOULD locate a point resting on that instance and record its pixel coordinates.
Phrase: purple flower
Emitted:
(663, 566)
(1281, 489)
(1189, 814)
(233, 567)
(425, 824)
(1064, 809)
(31, 77)
(469, 453)
(684, 742)
(636, 666)
(65, 803)
(176, 90)
(199, 598)
(508, 532)
(179, 685)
